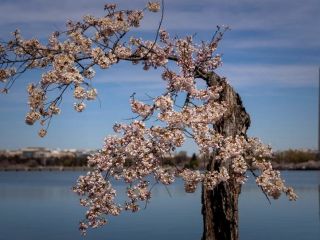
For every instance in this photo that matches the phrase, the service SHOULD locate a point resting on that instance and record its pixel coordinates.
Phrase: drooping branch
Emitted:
(213, 116)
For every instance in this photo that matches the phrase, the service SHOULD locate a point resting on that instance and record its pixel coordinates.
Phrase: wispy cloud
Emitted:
(269, 24)
(290, 18)
(271, 75)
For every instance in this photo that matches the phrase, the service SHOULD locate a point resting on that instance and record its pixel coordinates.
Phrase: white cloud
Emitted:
(286, 23)
(242, 75)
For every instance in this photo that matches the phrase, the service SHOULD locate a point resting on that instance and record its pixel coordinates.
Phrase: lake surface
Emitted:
(41, 206)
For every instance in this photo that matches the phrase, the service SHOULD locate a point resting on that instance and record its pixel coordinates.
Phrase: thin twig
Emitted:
(265, 194)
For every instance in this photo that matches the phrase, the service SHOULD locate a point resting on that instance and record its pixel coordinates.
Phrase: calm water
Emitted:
(40, 205)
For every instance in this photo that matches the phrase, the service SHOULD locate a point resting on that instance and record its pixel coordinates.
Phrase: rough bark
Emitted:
(220, 206)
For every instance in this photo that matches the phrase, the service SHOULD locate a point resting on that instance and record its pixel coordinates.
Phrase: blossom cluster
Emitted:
(6, 73)
(137, 150)
(270, 181)
(101, 200)
(69, 58)
(153, 6)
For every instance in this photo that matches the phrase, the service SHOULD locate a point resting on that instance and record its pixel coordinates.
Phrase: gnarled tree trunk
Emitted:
(220, 206)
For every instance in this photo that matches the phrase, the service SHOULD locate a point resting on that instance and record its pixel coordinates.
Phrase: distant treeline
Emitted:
(295, 156)
(65, 161)
(180, 159)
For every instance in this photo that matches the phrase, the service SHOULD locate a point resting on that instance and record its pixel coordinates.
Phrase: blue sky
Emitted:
(271, 56)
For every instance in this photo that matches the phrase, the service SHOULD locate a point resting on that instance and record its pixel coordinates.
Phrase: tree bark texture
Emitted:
(220, 206)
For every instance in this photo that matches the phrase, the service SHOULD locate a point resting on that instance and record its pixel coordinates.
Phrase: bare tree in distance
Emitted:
(212, 115)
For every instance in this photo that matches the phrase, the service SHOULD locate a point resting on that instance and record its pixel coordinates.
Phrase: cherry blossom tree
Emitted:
(212, 115)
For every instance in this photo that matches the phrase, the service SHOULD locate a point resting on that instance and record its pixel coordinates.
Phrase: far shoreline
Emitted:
(42, 169)
(303, 166)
